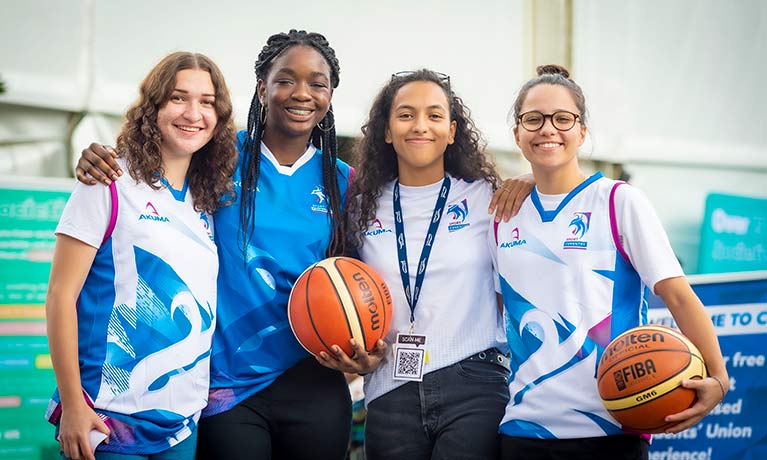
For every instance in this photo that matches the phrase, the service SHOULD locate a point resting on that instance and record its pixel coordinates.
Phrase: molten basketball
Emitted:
(337, 299)
(640, 373)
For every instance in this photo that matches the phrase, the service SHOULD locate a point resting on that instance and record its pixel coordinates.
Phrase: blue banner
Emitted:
(737, 428)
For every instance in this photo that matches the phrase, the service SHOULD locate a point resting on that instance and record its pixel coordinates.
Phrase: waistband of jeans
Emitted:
(491, 355)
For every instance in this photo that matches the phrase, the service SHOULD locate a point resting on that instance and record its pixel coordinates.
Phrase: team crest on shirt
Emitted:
(515, 240)
(376, 229)
(577, 229)
(150, 213)
(206, 225)
(458, 213)
(320, 204)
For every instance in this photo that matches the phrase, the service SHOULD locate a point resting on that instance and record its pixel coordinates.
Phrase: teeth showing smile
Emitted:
(301, 112)
(189, 129)
(549, 145)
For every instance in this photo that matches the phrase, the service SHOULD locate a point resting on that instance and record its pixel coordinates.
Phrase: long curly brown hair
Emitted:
(376, 160)
(211, 169)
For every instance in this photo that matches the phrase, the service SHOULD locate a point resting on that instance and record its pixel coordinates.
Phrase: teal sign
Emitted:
(29, 212)
(734, 234)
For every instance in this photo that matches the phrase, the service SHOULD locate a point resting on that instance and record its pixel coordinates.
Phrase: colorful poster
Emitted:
(736, 429)
(29, 212)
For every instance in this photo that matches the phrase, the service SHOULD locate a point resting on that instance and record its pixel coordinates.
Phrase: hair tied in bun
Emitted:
(552, 69)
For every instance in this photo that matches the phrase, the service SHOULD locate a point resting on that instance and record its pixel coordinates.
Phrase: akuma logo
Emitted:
(458, 213)
(515, 240)
(150, 213)
(376, 229)
(578, 228)
(321, 206)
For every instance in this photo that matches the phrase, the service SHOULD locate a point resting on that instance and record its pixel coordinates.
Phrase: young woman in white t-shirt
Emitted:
(132, 293)
(437, 387)
(574, 265)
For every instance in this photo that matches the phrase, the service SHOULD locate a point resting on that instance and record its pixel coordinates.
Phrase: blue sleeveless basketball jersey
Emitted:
(253, 343)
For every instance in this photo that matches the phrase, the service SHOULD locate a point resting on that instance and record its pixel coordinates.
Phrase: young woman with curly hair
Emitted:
(419, 203)
(131, 303)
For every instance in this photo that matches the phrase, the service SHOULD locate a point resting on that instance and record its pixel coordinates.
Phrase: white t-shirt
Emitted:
(457, 309)
(567, 292)
(146, 313)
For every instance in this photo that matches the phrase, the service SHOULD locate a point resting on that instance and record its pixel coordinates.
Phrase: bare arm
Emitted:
(508, 198)
(72, 260)
(97, 163)
(691, 317)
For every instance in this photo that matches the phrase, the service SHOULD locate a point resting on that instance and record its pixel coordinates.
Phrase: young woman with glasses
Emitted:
(419, 203)
(599, 244)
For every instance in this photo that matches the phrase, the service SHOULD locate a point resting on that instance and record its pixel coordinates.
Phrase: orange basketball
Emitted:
(640, 373)
(337, 299)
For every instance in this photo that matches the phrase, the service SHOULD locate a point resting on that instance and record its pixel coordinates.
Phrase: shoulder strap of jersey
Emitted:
(113, 213)
(614, 224)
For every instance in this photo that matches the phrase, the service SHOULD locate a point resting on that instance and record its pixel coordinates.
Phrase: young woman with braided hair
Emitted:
(269, 398)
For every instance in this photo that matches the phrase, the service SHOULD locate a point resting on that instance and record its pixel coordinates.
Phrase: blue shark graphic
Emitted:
(459, 211)
(580, 224)
(153, 346)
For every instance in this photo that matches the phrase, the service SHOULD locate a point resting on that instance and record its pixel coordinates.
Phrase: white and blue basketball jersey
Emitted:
(457, 309)
(146, 313)
(567, 292)
(254, 344)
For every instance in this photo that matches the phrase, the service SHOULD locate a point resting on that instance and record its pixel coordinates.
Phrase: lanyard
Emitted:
(427, 244)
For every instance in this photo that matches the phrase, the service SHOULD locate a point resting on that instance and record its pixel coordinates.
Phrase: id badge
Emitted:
(409, 357)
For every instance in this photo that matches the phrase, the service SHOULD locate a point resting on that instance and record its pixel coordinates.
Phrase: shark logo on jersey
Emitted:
(376, 229)
(150, 213)
(515, 240)
(578, 228)
(158, 348)
(321, 205)
(206, 225)
(458, 212)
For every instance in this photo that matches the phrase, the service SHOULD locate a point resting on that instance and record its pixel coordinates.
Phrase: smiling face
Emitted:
(547, 149)
(296, 93)
(187, 120)
(420, 130)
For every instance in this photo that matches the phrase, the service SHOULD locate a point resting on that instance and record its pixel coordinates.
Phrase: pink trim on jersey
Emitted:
(614, 224)
(495, 231)
(113, 213)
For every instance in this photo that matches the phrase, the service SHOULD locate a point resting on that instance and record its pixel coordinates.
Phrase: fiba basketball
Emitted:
(337, 299)
(639, 377)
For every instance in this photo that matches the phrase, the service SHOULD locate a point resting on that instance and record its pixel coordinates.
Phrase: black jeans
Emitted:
(453, 414)
(305, 414)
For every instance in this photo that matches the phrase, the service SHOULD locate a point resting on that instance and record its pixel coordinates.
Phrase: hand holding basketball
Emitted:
(360, 362)
(334, 301)
(640, 378)
(710, 393)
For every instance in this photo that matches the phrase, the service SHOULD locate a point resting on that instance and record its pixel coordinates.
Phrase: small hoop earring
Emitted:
(324, 129)
(262, 116)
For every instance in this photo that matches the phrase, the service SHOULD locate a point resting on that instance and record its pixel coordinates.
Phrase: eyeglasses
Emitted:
(443, 78)
(534, 120)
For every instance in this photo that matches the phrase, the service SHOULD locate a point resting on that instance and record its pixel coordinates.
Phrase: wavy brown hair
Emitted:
(376, 160)
(211, 169)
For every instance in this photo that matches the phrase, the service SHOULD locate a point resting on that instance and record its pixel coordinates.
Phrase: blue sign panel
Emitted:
(737, 428)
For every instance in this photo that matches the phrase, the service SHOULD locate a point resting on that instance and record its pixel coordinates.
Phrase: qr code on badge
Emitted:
(409, 364)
